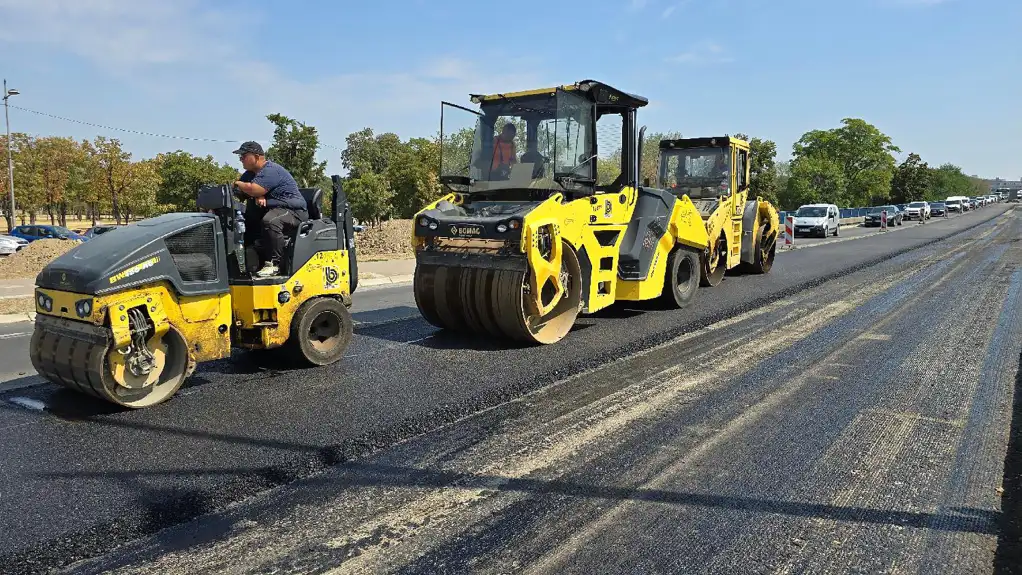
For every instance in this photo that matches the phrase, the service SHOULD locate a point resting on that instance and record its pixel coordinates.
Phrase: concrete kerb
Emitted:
(17, 317)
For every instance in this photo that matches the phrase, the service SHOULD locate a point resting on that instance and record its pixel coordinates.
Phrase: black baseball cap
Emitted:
(250, 148)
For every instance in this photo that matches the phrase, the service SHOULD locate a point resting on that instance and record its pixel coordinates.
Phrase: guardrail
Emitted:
(851, 214)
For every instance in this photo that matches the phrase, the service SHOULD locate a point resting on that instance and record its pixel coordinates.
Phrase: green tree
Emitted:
(762, 168)
(114, 173)
(813, 180)
(138, 198)
(182, 174)
(863, 153)
(369, 195)
(412, 176)
(366, 152)
(294, 147)
(911, 181)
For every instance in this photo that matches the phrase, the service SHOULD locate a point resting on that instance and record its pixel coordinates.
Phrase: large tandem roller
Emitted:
(714, 172)
(538, 227)
(126, 316)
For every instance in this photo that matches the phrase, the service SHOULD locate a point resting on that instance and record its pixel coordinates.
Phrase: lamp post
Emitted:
(10, 158)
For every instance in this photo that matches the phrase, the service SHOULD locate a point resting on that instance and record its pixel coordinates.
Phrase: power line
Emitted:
(140, 132)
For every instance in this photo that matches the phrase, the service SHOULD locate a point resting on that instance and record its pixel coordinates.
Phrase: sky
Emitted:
(943, 78)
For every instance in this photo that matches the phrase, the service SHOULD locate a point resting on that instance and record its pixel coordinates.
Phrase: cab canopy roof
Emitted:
(592, 90)
(707, 142)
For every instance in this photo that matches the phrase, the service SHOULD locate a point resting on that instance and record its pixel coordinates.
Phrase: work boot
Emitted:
(269, 270)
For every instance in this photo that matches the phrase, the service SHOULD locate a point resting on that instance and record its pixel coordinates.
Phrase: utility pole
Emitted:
(10, 157)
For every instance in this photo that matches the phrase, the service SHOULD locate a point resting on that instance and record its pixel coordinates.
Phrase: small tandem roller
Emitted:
(126, 316)
(519, 248)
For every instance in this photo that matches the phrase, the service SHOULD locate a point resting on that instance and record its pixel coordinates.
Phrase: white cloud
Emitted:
(668, 11)
(706, 53)
(120, 35)
(166, 49)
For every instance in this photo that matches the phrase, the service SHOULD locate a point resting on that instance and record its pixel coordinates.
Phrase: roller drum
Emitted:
(75, 356)
(492, 302)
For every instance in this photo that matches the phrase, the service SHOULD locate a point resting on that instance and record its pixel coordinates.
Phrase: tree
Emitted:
(369, 195)
(115, 171)
(413, 177)
(911, 181)
(294, 147)
(813, 180)
(182, 174)
(366, 152)
(138, 198)
(861, 151)
(949, 180)
(762, 168)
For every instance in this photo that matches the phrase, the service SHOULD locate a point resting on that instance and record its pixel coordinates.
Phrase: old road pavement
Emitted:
(849, 412)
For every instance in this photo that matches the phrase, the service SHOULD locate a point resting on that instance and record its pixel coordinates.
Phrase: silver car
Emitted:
(11, 244)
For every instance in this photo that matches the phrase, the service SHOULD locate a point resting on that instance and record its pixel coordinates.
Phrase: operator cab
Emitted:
(313, 235)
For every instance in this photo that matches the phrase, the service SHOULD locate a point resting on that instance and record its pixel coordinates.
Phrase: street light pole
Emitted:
(10, 157)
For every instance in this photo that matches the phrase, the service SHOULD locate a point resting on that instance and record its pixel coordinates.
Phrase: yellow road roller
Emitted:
(713, 172)
(126, 316)
(545, 218)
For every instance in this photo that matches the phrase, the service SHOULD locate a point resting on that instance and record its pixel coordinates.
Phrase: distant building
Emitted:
(998, 184)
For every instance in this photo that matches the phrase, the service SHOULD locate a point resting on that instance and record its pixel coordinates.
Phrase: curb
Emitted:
(385, 281)
(17, 317)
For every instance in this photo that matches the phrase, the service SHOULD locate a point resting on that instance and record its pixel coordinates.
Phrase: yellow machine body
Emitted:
(127, 316)
(522, 258)
(738, 227)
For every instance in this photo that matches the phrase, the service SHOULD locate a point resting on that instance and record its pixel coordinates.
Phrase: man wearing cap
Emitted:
(274, 204)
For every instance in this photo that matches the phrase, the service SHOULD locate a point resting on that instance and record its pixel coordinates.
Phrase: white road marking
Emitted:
(28, 403)
(13, 335)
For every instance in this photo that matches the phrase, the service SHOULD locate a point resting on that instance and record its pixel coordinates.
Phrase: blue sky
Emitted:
(941, 77)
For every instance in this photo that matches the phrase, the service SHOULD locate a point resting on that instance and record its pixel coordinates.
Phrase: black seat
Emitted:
(313, 202)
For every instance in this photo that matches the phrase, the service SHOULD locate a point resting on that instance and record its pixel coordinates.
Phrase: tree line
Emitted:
(57, 178)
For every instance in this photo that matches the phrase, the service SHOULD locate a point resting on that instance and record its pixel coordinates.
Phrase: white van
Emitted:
(957, 203)
(818, 219)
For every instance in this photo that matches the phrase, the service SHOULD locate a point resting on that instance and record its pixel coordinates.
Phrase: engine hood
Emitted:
(808, 221)
(131, 255)
(478, 220)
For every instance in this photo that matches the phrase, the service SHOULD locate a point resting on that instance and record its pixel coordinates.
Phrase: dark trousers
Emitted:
(273, 226)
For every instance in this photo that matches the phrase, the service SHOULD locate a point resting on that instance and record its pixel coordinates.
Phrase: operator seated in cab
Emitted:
(274, 205)
(504, 153)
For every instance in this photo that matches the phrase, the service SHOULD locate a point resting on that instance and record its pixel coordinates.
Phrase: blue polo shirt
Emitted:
(281, 188)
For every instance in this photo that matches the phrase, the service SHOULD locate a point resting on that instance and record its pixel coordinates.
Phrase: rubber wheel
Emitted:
(712, 277)
(766, 250)
(682, 278)
(320, 331)
(837, 231)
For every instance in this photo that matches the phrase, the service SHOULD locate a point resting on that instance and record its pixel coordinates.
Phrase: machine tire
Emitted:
(681, 280)
(320, 331)
(837, 231)
(712, 278)
(764, 257)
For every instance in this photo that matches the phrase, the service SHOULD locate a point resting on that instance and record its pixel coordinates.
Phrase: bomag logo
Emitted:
(466, 230)
(128, 272)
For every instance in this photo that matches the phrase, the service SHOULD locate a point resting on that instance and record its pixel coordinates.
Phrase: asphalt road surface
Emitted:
(848, 412)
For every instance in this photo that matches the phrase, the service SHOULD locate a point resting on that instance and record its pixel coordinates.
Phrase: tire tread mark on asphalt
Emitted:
(836, 339)
(497, 397)
(774, 343)
(444, 560)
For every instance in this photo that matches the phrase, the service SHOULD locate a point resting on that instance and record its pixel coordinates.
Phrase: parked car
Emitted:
(939, 210)
(954, 205)
(11, 244)
(97, 230)
(894, 216)
(818, 219)
(973, 204)
(38, 232)
(917, 211)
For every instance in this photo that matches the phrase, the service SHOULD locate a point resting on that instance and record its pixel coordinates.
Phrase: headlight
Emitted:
(83, 308)
(45, 302)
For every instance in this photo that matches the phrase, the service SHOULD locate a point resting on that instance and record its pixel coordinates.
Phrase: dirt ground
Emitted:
(390, 240)
(27, 263)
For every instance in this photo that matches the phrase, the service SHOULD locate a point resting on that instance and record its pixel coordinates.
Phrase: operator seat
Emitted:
(313, 202)
(312, 235)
